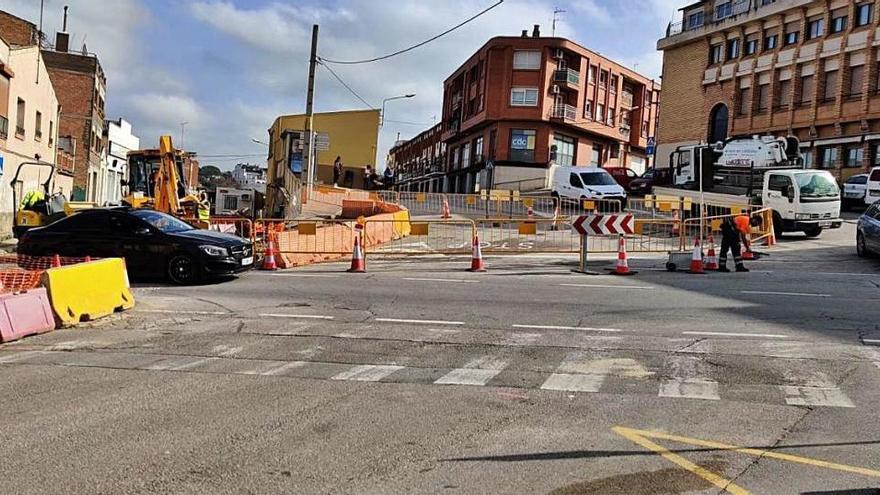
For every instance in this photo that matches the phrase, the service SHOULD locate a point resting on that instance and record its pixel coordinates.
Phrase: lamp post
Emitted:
(386, 100)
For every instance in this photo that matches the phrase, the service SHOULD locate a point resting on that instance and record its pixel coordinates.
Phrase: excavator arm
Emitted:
(167, 179)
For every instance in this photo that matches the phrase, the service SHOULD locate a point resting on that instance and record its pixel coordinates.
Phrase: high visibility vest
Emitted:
(31, 198)
(204, 214)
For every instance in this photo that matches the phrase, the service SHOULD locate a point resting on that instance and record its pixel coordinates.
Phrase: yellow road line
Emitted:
(636, 437)
(753, 452)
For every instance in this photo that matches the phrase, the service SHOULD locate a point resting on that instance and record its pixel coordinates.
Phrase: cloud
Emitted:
(593, 11)
(168, 109)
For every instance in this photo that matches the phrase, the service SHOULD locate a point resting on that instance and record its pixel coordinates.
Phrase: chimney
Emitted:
(62, 39)
(525, 33)
(536, 31)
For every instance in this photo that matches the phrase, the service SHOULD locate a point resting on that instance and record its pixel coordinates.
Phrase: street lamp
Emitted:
(259, 142)
(386, 100)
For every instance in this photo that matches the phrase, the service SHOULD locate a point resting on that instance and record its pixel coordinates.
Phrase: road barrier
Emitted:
(24, 314)
(712, 225)
(422, 236)
(88, 291)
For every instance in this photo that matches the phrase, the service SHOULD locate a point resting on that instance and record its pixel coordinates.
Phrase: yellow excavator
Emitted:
(40, 207)
(155, 180)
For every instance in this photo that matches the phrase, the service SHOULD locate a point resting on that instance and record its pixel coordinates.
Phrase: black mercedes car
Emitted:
(152, 243)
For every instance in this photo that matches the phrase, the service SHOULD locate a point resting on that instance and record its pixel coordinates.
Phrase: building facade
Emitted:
(250, 177)
(806, 68)
(419, 163)
(531, 100)
(120, 140)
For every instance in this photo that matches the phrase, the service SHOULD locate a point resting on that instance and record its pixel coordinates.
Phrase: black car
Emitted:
(152, 243)
(652, 177)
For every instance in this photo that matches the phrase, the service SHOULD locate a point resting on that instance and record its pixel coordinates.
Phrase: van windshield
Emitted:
(597, 179)
(817, 185)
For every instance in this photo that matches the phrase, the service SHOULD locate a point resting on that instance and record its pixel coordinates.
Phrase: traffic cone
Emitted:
(447, 213)
(477, 264)
(56, 261)
(269, 255)
(622, 267)
(697, 258)
(358, 264)
(711, 256)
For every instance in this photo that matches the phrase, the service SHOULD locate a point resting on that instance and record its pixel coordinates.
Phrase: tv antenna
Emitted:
(556, 12)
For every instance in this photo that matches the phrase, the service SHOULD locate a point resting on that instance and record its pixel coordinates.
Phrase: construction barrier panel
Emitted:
(88, 291)
(691, 228)
(385, 236)
(24, 314)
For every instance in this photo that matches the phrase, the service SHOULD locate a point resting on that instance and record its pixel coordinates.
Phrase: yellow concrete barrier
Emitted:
(87, 291)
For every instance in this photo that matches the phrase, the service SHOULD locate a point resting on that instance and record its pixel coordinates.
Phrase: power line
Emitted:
(230, 156)
(345, 85)
(423, 43)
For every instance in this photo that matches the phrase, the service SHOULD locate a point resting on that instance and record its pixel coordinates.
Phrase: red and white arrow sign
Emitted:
(603, 224)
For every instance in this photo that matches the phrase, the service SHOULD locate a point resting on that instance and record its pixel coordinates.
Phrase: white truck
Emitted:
(762, 171)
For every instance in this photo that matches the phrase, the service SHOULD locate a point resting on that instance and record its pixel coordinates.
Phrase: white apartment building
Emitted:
(250, 177)
(120, 140)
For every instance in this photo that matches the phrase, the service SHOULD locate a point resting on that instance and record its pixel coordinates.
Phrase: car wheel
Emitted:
(777, 225)
(861, 247)
(813, 231)
(182, 270)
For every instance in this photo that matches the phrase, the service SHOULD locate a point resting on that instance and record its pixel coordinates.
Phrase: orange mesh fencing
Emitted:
(19, 272)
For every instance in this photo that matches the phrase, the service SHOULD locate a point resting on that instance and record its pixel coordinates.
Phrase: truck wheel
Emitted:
(777, 225)
(813, 232)
(671, 266)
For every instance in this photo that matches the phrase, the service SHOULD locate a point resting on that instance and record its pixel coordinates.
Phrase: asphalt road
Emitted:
(418, 377)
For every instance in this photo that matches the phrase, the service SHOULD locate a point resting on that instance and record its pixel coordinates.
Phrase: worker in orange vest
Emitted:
(736, 230)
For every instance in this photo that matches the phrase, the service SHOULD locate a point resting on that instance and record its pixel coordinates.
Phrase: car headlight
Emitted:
(801, 216)
(214, 251)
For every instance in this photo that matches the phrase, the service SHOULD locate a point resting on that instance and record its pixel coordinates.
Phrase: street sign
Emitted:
(650, 148)
(603, 224)
(322, 141)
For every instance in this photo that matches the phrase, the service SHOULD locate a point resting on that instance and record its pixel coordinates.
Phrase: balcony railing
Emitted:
(712, 16)
(567, 76)
(565, 112)
(4, 127)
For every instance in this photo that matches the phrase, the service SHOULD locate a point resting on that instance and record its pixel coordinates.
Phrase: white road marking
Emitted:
(225, 350)
(590, 286)
(179, 363)
(521, 339)
(419, 322)
(305, 275)
(871, 341)
(687, 380)
(302, 317)
(477, 372)
(18, 356)
(737, 334)
(284, 367)
(771, 293)
(873, 354)
(311, 351)
(451, 280)
(555, 327)
(573, 383)
(816, 389)
(367, 373)
(181, 312)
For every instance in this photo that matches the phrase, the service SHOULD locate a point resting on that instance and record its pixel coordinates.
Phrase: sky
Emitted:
(229, 67)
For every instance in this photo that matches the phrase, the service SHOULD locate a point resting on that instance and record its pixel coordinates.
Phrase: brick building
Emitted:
(80, 85)
(522, 102)
(808, 68)
(419, 163)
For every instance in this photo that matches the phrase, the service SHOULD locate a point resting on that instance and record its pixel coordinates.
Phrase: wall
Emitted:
(17, 31)
(121, 140)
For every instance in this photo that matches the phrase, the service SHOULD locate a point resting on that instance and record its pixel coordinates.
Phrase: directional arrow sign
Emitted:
(603, 224)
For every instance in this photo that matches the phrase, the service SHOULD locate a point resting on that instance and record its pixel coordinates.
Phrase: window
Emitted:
(19, 119)
(230, 203)
(526, 60)
(38, 126)
(723, 10)
(588, 110)
(565, 147)
(808, 158)
(603, 78)
(763, 97)
(592, 74)
(854, 157)
(522, 145)
(815, 28)
(732, 49)
(771, 41)
(600, 112)
(791, 34)
(830, 92)
(856, 80)
(466, 155)
(827, 157)
(51, 132)
(806, 89)
(744, 101)
(596, 156)
(838, 22)
(574, 180)
(614, 84)
(864, 14)
(524, 97)
(695, 20)
(784, 93)
(778, 183)
(751, 46)
(714, 54)
(611, 116)
(478, 149)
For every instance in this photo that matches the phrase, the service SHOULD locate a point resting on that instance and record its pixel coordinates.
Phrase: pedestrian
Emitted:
(736, 230)
(389, 177)
(337, 171)
(368, 175)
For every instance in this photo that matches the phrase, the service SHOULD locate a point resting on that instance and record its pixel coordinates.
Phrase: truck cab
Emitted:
(803, 200)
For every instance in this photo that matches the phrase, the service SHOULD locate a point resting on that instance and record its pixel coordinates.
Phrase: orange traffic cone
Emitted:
(711, 256)
(477, 264)
(269, 255)
(697, 258)
(447, 213)
(358, 265)
(56, 261)
(622, 267)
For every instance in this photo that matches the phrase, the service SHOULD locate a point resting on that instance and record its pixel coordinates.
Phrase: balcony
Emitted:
(456, 100)
(567, 113)
(569, 77)
(4, 127)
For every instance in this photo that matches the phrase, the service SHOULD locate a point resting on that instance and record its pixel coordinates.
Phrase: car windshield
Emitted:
(817, 185)
(858, 179)
(649, 174)
(597, 179)
(164, 222)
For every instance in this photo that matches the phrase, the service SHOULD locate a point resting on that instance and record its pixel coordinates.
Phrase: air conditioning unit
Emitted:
(560, 53)
(555, 90)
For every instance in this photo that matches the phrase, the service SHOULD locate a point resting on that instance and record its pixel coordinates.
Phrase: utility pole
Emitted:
(556, 12)
(310, 110)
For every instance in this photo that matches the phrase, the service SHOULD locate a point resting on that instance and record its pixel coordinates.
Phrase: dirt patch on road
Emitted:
(670, 481)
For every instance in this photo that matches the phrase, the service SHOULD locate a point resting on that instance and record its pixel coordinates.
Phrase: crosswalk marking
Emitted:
(178, 363)
(19, 356)
(573, 383)
(367, 373)
(688, 380)
(816, 390)
(477, 372)
(284, 367)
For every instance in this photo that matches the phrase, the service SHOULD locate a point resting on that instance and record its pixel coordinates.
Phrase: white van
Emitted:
(580, 183)
(872, 193)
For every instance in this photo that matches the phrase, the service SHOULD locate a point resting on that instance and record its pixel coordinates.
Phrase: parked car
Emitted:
(873, 187)
(624, 176)
(579, 183)
(854, 190)
(652, 177)
(152, 243)
(868, 232)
